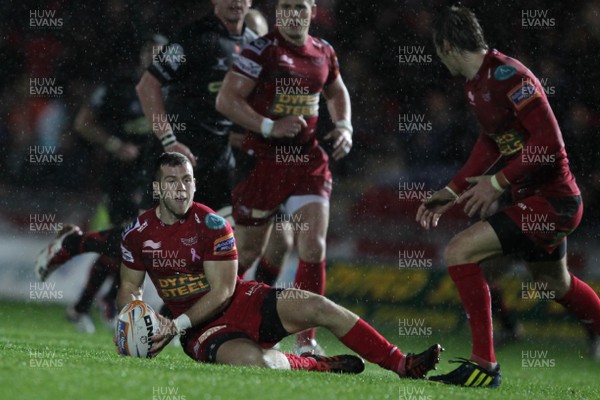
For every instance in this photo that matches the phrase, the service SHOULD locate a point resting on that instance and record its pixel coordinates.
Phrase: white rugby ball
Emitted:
(136, 323)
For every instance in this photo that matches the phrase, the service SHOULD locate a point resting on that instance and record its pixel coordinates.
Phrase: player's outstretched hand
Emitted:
(183, 149)
(161, 339)
(480, 198)
(288, 126)
(431, 210)
(342, 142)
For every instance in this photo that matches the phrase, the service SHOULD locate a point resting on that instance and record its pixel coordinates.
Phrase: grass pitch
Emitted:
(43, 357)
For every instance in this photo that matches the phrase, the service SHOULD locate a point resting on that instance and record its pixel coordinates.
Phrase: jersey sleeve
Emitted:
(484, 155)
(251, 60)
(220, 242)
(544, 139)
(170, 62)
(524, 95)
(131, 249)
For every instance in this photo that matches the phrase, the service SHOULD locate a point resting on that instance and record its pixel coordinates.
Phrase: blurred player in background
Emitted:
(113, 120)
(192, 67)
(273, 91)
(190, 254)
(519, 126)
(281, 242)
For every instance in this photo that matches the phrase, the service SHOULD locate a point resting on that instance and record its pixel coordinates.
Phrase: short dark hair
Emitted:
(459, 27)
(171, 159)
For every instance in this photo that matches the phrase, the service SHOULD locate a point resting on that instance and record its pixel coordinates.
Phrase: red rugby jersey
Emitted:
(518, 124)
(289, 80)
(174, 255)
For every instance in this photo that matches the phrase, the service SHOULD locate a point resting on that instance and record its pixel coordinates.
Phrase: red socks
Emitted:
(369, 344)
(475, 296)
(311, 277)
(366, 342)
(583, 302)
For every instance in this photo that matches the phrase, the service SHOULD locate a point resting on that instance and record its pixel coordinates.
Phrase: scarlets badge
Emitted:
(215, 222)
(503, 72)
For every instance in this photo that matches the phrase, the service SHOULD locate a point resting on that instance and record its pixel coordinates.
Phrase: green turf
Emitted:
(42, 357)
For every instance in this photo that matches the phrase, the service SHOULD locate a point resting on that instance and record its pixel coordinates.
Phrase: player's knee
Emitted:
(248, 354)
(456, 252)
(312, 248)
(550, 287)
(280, 245)
(321, 310)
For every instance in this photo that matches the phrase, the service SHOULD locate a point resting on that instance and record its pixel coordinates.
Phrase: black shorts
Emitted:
(563, 215)
(514, 242)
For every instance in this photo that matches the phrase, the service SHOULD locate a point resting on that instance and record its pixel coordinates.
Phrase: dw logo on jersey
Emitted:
(523, 94)
(224, 245)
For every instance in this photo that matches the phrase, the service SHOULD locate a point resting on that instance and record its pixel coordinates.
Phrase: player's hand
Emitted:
(164, 335)
(430, 211)
(236, 139)
(127, 152)
(480, 198)
(440, 201)
(342, 142)
(183, 149)
(288, 126)
(494, 207)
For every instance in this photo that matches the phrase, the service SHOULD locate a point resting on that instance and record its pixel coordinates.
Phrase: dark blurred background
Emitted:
(97, 39)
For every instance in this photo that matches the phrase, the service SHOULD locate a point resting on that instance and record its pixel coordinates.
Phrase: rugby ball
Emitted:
(136, 323)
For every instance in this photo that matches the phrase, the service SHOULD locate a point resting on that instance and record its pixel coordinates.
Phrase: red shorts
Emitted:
(544, 222)
(258, 197)
(252, 314)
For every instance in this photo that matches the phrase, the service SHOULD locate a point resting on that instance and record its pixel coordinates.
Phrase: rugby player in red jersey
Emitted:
(519, 127)
(190, 254)
(273, 91)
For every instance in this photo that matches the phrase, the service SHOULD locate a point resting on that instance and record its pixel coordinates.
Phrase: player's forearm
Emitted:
(339, 109)
(209, 305)
(132, 283)
(237, 109)
(127, 294)
(339, 105)
(150, 94)
(483, 156)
